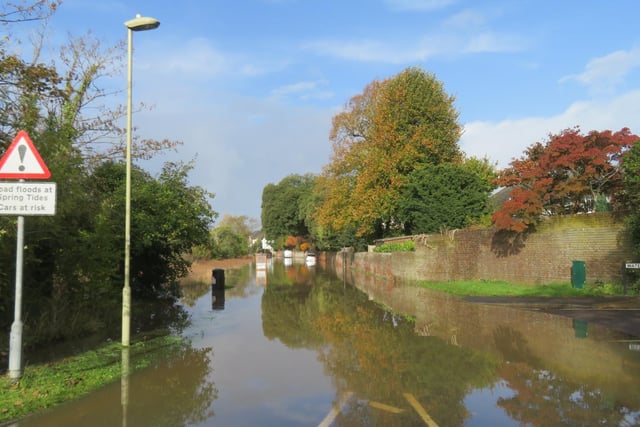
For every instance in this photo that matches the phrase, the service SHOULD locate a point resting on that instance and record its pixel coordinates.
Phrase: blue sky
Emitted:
(251, 86)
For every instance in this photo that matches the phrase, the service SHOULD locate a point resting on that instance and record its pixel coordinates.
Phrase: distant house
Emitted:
(266, 245)
(500, 196)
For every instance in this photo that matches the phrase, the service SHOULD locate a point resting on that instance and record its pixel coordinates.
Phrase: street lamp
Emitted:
(139, 23)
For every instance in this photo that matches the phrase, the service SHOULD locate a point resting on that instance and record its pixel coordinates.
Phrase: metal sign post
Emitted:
(15, 339)
(628, 267)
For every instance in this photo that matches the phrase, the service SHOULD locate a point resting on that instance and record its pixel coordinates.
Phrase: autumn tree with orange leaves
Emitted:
(394, 127)
(569, 173)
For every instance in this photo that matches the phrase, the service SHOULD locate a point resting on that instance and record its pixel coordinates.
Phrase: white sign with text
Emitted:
(27, 198)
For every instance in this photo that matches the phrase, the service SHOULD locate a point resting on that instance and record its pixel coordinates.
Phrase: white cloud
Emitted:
(297, 88)
(503, 141)
(466, 19)
(446, 43)
(260, 69)
(492, 42)
(369, 51)
(242, 145)
(199, 59)
(604, 73)
(419, 5)
(196, 57)
(464, 33)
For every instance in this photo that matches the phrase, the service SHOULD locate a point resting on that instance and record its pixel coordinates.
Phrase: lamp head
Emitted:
(142, 23)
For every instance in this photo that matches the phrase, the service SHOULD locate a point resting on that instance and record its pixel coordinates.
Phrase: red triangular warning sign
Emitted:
(22, 160)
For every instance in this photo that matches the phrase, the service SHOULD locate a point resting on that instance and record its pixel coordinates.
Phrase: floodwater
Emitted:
(294, 345)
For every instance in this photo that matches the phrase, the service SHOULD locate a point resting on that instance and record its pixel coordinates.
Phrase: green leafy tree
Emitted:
(73, 260)
(228, 244)
(394, 127)
(283, 210)
(242, 225)
(168, 218)
(23, 89)
(443, 196)
(631, 167)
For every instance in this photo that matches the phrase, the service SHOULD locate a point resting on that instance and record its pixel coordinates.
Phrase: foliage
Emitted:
(168, 218)
(23, 87)
(394, 127)
(283, 212)
(444, 195)
(327, 239)
(64, 297)
(27, 10)
(631, 165)
(68, 96)
(228, 244)
(290, 242)
(241, 225)
(566, 174)
(483, 168)
(73, 261)
(406, 246)
(229, 239)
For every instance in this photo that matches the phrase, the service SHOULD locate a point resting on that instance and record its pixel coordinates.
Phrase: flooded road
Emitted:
(297, 346)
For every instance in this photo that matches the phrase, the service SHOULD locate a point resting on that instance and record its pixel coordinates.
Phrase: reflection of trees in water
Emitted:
(296, 273)
(377, 355)
(374, 353)
(544, 399)
(159, 315)
(179, 384)
(513, 346)
(176, 390)
(286, 316)
(237, 282)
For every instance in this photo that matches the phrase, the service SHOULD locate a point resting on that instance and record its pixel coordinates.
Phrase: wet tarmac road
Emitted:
(617, 313)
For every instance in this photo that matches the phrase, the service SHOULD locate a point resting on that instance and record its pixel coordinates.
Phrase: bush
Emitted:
(407, 246)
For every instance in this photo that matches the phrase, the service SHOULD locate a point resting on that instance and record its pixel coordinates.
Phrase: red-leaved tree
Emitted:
(569, 173)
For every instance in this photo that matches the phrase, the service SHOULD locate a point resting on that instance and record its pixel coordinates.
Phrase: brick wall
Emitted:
(541, 257)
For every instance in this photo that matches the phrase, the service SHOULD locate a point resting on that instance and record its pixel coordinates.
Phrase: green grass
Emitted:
(495, 288)
(47, 385)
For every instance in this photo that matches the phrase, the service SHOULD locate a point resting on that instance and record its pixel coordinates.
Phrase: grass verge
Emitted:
(495, 288)
(44, 386)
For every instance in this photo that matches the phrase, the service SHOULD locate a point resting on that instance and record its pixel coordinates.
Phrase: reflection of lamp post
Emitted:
(139, 23)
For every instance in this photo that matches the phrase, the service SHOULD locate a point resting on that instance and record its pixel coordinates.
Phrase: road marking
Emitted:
(333, 413)
(385, 407)
(420, 410)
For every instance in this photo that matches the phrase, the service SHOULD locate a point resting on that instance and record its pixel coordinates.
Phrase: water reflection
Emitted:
(549, 369)
(176, 391)
(307, 347)
(124, 384)
(217, 298)
(374, 355)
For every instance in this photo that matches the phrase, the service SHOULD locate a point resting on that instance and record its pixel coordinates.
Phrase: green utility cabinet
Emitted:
(578, 274)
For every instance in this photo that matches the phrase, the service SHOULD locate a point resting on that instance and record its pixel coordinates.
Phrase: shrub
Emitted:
(406, 246)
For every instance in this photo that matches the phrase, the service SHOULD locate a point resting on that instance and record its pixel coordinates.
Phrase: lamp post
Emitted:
(139, 23)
